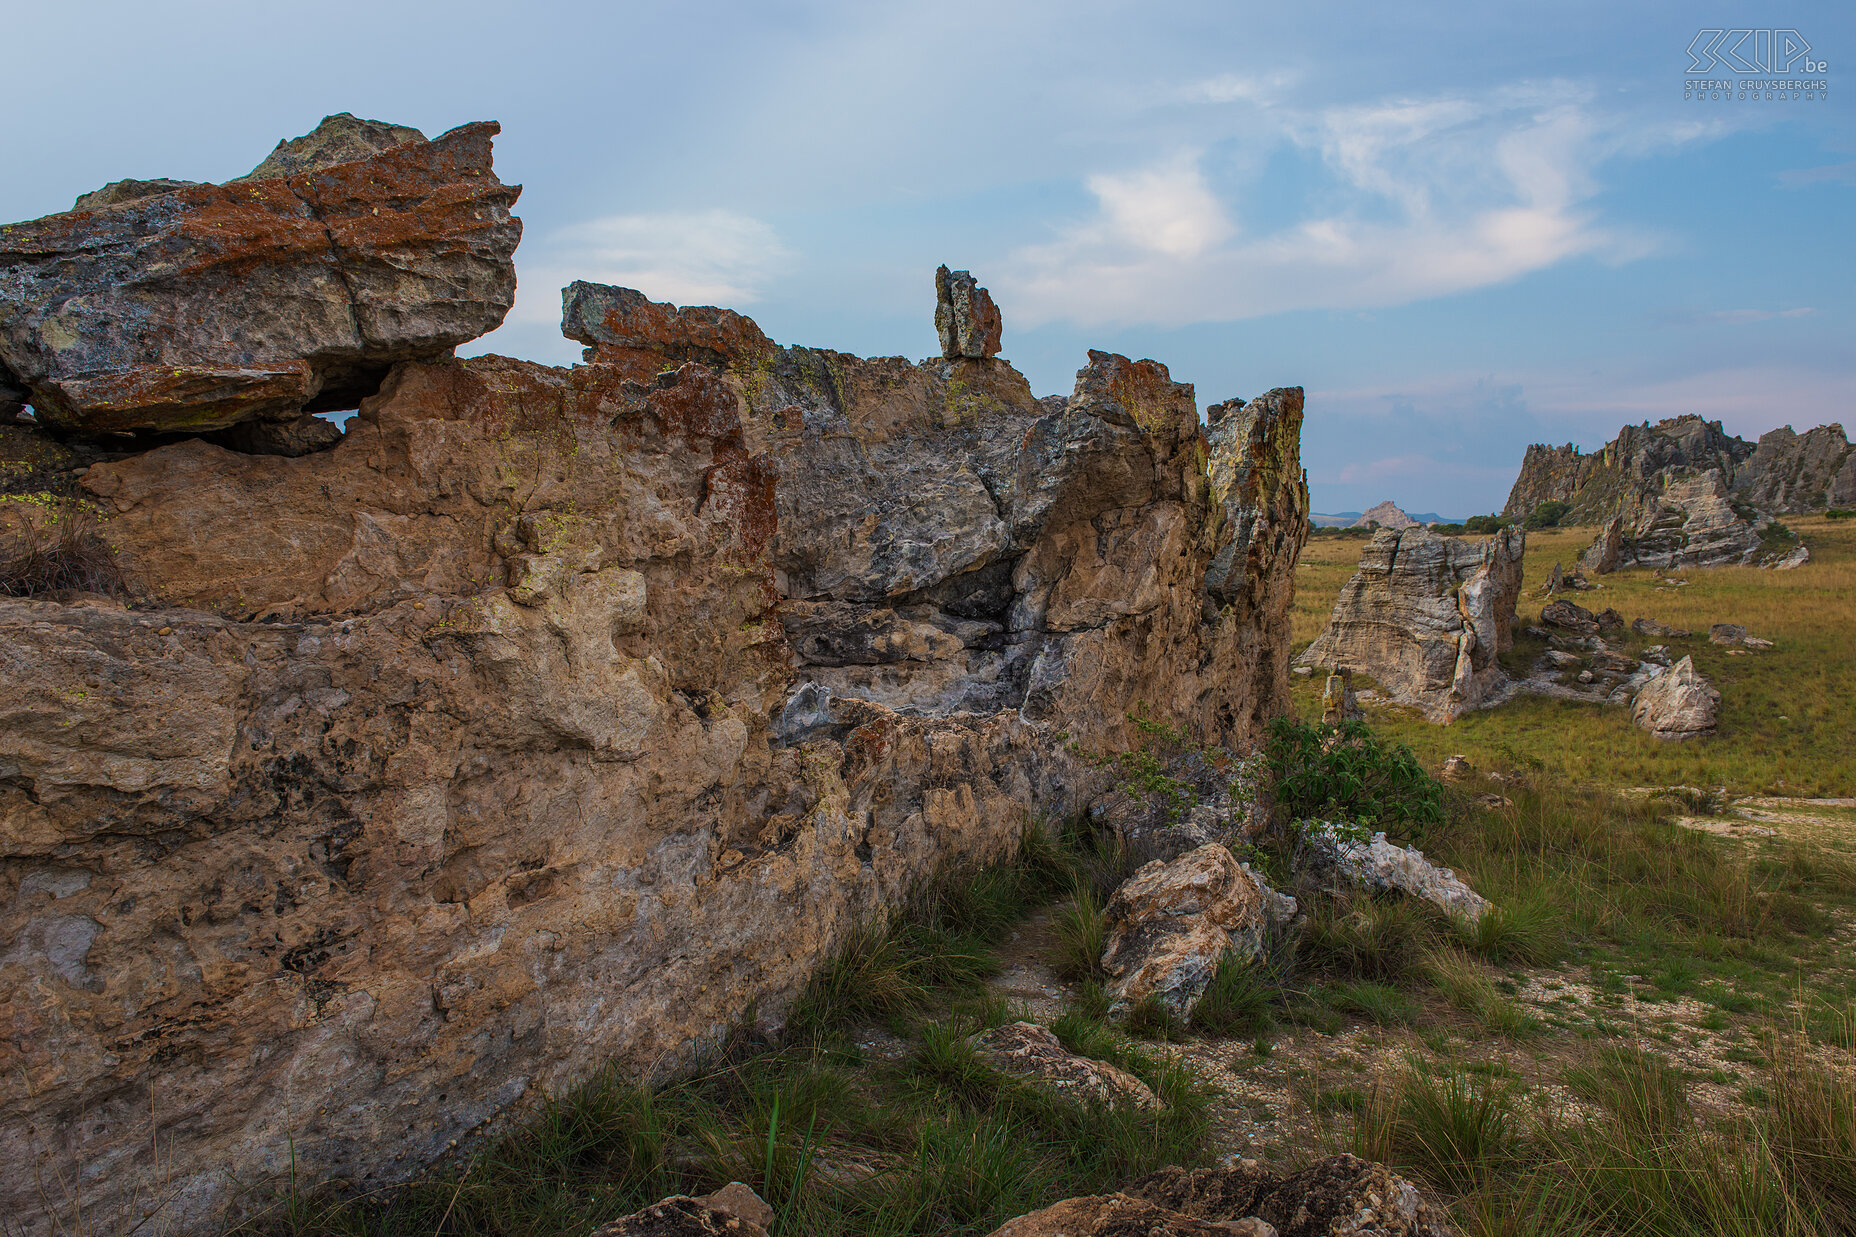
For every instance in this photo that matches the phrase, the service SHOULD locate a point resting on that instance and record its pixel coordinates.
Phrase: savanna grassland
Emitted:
(1788, 714)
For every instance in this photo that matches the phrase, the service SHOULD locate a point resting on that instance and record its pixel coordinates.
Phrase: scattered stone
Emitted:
(1650, 627)
(1560, 659)
(1338, 1195)
(1427, 616)
(1494, 801)
(1586, 676)
(1379, 866)
(965, 317)
(1602, 556)
(1790, 560)
(1613, 663)
(1456, 769)
(1028, 1051)
(732, 1211)
(1609, 620)
(1170, 924)
(1338, 702)
(1302, 672)
(1726, 633)
(1679, 704)
(1570, 616)
(300, 289)
(1756, 642)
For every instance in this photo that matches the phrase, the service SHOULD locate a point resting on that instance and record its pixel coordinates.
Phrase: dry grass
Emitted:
(1786, 714)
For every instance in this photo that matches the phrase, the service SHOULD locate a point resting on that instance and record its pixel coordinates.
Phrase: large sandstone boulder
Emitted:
(178, 308)
(1426, 616)
(1678, 704)
(1171, 923)
(553, 717)
(1692, 523)
(1602, 556)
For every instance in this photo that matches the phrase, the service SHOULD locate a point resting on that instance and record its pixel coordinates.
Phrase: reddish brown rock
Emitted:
(194, 307)
(965, 316)
(434, 770)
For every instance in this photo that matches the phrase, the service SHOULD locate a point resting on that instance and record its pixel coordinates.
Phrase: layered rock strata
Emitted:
(1427, 616)
(554, 716)
(162, 306)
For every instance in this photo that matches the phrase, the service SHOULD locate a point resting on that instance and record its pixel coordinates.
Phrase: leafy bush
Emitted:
(1350, 775)
(1547, 514)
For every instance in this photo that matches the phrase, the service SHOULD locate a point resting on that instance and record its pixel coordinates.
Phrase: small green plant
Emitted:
(1240, 1000)
(1347, 774)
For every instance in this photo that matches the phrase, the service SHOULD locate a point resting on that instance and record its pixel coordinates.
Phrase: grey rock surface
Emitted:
(1678, 704)
(1028, 1051)
(198, 307)
(965, 317)
(1427, 616)
(1379, 866)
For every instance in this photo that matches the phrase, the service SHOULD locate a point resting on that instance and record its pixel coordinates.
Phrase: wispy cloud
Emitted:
(1422, 197)
(1728, 317)
(1832, 173)
(708, 257)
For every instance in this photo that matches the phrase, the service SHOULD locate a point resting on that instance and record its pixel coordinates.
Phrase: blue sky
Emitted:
(1462, 227)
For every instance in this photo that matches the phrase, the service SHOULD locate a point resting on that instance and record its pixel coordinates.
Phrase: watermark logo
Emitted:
(1763, 66)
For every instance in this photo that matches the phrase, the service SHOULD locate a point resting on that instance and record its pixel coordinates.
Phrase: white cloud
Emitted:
(709, 257)
(1422, 197)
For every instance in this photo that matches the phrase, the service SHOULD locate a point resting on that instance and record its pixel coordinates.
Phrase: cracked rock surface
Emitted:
(166, 307)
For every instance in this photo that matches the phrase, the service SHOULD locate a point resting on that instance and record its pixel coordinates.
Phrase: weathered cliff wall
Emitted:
(1785, 474)
(554, 716)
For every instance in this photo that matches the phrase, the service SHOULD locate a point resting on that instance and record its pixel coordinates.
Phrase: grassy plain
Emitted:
(1788, 714)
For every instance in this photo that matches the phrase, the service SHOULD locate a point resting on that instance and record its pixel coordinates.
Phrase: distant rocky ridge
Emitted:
(1386, 514)
(1687, 492)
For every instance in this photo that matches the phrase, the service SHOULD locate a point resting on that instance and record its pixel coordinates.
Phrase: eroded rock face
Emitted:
(1427, 616)
(556, 716)
(1601, 557)
(1790, 473)
(1171, 923)
(1692, 523)
(1679, 704)
(168, 307)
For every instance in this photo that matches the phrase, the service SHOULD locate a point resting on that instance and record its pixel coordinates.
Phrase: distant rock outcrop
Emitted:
(1427, 615)
(965, 317)
(176, 308)
(1688, 494)
(1386, 515)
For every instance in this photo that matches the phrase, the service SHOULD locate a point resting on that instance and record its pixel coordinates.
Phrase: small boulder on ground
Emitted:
(1170, 924)
(1678, 704)
(1338, 701)
(1569, 616)
(1726, 633)
(1340, 1195)
(1379, 866)
(1034, 1053)
(1651, 627)
(1456, 769)
(732, 1211)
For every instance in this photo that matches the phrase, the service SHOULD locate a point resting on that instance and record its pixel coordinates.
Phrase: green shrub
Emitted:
(1350, 775)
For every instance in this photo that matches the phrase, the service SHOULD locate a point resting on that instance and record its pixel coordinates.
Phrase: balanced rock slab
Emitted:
(180, 308)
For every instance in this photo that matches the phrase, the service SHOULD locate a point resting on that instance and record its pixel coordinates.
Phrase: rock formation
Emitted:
(965, 317)
(1680, 704)
(550, 716)
(1426, 616)
(1378, 866)
(1601, 557)
(1386, 515)
(1688, 494)
(171, 307)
